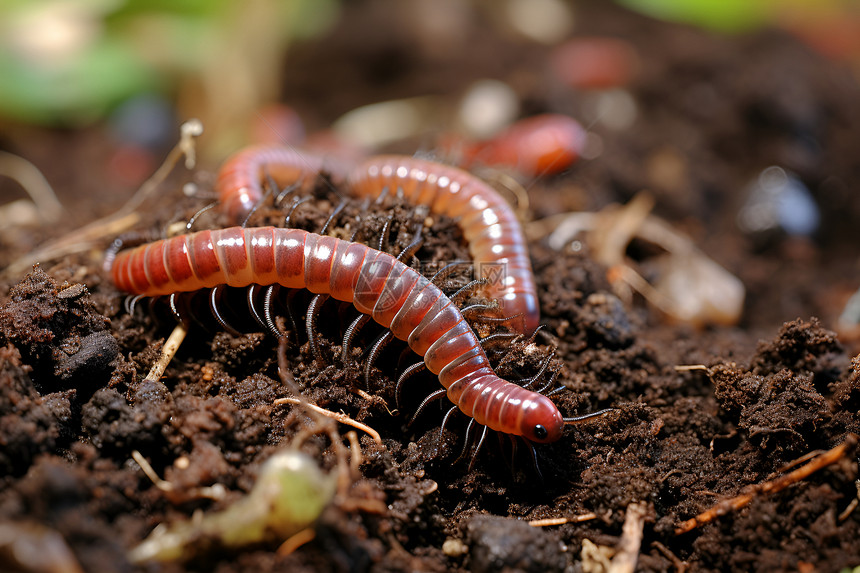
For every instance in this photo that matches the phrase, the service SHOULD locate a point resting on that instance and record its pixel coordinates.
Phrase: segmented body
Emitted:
(393, 294)
(240, 179)
(489, 224)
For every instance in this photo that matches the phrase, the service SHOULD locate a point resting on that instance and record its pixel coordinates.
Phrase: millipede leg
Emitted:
(263, 316)
(174, 308)
(472, 308)
(296, 202)
(534, 459)
(477, 449)
(268, 296)
(382, 195)
(386, 231)
(331, 217)
(311, 323)
(349, 335)
(514, 444)
(445, 419)
(189, 226)
(251, 301)
(465, 290)
(215, 296)
(411, 248)
(283, 194)
(528, 382)
(375, 350)
(408, 373)
(130, 303)
(495, 339)
(550, 382)
(467, 440)
(436, 395)
(446, 271)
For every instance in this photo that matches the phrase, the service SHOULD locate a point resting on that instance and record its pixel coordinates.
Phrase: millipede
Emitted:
(393, 294)
(380, 286)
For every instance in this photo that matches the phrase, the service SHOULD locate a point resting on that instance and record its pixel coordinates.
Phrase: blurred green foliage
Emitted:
(726, 15)
(70, 61)
(740, 15)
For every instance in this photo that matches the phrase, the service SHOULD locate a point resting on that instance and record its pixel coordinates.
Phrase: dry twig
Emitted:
(168, 351)
(34, 183)
(84, 238)
(827, 458)
(342, 418)
(627, 554)
(216, 491)
(562, 520)
(295, 541)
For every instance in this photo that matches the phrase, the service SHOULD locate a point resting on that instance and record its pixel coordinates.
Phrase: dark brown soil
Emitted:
(74, 403)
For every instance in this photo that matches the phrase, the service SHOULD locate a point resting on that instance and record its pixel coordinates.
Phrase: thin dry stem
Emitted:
(562, 520)
(627, 554)
(355, 457)
(86, 237)
(827, 458)
(168, 351)
(342, 418)
(295, 541)
(150, 473)
(215, 492)
(692, 368)
(34, 183)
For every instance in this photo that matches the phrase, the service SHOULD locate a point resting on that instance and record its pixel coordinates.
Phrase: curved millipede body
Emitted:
(393, 294)
(239, 184)
(489, 224)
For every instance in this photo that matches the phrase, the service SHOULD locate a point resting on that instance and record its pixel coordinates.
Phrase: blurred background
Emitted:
(739, 116)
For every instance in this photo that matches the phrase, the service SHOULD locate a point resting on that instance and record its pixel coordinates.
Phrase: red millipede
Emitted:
(489, 224)
(393, 294)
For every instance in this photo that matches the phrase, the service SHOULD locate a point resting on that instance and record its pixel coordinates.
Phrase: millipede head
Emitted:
(541, 421)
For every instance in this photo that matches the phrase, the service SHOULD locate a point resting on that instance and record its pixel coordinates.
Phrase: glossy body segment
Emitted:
(489, 224)
(394, 294)
(240, 179)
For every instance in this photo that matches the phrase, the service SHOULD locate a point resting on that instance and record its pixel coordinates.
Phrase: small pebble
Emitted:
(487, 107)
(544, 21)
(616, 109)
(506, 544)
(779, 200)
(454, 547)
(73, 291)
(94, 354)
